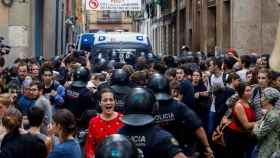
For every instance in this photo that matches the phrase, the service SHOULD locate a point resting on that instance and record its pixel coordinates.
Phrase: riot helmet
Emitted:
(159, 84)
(111, 64)
(99, 64)
(139, 107)
(56, 61)
(119, 77)
(116, 146)
(81, 77)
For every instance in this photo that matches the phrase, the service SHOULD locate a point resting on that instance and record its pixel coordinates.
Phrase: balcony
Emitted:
(211, 3)
(108, 17)
(109, 20)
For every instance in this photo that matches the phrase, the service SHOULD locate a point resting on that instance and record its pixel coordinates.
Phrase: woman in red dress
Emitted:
(106, 123)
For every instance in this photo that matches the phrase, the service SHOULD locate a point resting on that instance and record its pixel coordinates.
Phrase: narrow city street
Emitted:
(139, 79)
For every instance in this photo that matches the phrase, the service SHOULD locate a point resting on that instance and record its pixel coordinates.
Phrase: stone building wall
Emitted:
(270, 18)
(15, 27)
(246, 25)
(254, 25)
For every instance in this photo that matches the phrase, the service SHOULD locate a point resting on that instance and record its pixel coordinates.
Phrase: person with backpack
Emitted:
(264, 81)
(219, 91)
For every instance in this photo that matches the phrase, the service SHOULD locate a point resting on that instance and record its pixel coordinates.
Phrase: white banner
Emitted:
(113, 5)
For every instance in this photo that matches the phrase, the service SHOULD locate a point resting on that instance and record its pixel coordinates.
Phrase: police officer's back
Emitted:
(140, 128)
(119, 84)
(175, 117)
(78, 98)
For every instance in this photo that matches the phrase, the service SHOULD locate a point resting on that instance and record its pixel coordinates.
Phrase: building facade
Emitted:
(108, 21)
(36, 28)
(246, 25)
(15, 27)
(211, 25)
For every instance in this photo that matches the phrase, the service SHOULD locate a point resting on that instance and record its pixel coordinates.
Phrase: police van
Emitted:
(122, 47)
(85, 42)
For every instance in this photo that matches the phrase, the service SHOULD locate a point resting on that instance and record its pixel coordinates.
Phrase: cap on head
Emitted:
(271, 94)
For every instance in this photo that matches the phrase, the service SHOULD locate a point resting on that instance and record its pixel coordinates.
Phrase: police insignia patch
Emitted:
(174, 141)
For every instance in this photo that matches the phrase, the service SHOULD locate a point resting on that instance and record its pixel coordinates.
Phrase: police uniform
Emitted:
(140, 128)
(79, 99)
(119, 84)
(175, 117)
(180, 121)
(120, 91)
(152, 141)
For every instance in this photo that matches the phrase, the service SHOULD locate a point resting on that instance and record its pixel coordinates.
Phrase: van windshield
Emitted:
(120, 52)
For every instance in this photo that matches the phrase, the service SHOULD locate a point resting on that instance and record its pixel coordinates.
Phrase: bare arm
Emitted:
(88, 65)
(241, 115)
(201, 135)
(204, 94)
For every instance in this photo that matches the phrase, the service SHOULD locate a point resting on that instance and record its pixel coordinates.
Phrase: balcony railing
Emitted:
(211, 3)
(109, 20)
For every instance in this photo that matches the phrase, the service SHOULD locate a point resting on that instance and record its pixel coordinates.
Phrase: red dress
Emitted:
(98, 130)
(250, 114)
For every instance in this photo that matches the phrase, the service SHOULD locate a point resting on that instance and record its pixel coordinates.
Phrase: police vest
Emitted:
(152, 141)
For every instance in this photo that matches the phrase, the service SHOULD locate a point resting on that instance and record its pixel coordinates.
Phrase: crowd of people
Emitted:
(188, 106)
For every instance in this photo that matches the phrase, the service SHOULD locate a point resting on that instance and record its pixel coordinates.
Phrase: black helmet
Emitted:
(130, 59)
(81, 77)
(160, 86)
(111, 64)
(116, 146)
(119, 77)
(139, 106)
(56, 61)
(99, 64)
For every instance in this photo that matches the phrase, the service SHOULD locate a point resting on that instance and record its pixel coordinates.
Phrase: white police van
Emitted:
(121, 47)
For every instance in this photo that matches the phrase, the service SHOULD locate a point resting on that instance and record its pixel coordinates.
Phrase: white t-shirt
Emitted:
(242, 74)
(217, 81)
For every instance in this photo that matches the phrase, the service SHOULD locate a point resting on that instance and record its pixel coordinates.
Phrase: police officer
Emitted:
(78, 98)
(139, 126)
(119, 84)
(177, 118)
(99, 65)
(116, 146)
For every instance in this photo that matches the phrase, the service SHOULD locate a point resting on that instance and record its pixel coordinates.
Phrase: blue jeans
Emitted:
(254, 153)
(211, 122)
